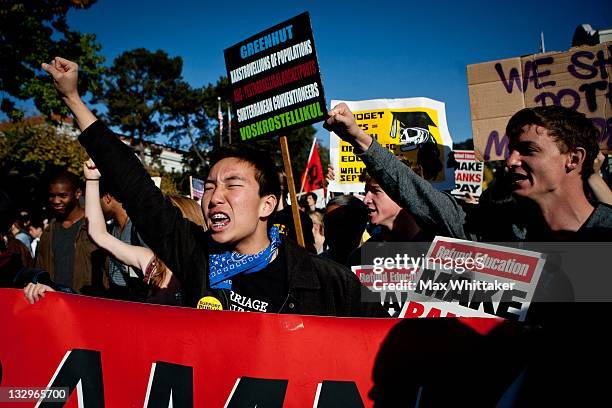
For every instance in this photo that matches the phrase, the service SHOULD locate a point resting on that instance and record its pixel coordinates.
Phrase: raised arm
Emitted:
(435, 210)
(132, 255)
(159, 223)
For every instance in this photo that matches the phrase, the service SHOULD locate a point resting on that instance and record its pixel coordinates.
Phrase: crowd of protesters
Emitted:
(238, 252)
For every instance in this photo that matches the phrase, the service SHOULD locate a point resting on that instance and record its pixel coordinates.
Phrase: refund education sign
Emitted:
(275, 79)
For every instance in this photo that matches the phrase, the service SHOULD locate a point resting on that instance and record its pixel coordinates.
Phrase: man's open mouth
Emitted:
(516, 178)
(219, 221)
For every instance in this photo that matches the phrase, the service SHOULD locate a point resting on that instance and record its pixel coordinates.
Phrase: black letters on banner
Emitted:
(339, 394)
(84, 367)
(260, 392)
(170, 380)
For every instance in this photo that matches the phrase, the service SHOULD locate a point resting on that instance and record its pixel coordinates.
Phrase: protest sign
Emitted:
(413, 129)
(473, 279)
(124, 354)
(468, 174)
(275, 80)
(578, 79)
(451, 278)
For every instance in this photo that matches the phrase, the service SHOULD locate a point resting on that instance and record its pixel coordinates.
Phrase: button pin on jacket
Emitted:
(210, 303)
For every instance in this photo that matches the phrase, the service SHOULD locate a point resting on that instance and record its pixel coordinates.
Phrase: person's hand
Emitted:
(470, 199)
(36, 291)
(65, 76)
(342, 122)
(331, 174)
(90, 170)
(598, 162)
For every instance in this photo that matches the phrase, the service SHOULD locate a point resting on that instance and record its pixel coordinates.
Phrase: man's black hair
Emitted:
(313, 195)
(570, 130)
(266, 172)
(303, 203)
(428, 158)
(63, 176)
(37, 221)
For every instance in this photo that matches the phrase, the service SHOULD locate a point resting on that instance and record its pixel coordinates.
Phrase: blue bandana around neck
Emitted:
(225, 265)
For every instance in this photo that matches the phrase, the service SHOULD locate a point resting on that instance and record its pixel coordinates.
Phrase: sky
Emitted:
(366, 49)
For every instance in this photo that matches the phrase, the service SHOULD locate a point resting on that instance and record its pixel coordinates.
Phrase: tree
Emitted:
(31, 148)
(187, 122)
(136, 87)
(192, 120)
(35, 31)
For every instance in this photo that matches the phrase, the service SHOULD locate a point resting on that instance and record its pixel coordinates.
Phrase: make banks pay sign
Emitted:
(275, 80)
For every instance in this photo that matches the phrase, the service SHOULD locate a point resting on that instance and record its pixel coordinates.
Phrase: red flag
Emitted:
(313, 177)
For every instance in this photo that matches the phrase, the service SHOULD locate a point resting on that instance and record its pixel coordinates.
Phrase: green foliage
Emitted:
(29, 150)
(135, 88)
(32, 32)
(198, 123)
(187, 122)
(175, 183)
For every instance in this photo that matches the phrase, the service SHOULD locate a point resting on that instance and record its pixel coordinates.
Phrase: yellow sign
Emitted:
(414, 130)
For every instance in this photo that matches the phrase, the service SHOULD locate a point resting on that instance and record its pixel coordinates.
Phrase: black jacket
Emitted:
(320, 286)
(316, 286)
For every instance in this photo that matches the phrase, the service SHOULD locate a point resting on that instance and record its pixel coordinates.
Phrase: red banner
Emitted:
(122, 354)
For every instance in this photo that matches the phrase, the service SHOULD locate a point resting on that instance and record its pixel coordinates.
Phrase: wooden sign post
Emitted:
(295, 210)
